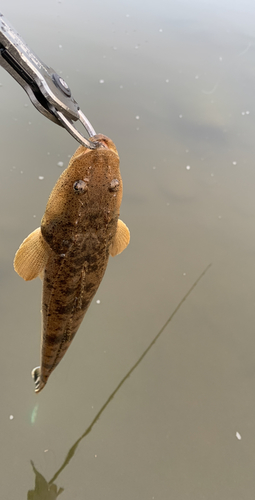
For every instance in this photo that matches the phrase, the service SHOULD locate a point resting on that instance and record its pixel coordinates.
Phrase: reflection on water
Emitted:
(48, 490)
(43, 490)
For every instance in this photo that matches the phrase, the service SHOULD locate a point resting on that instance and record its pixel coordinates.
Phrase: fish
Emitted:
(80, 229)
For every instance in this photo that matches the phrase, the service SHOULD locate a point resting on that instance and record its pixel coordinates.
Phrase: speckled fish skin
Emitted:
(79, 231)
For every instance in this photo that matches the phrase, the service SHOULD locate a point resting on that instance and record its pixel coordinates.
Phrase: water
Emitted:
(182, 424)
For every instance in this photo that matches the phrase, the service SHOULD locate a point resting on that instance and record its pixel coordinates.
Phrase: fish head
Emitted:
(87, 195)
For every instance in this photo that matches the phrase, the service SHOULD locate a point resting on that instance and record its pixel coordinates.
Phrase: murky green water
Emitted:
(178, 101)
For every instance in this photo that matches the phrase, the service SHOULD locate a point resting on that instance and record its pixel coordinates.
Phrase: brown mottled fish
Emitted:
(70, 251)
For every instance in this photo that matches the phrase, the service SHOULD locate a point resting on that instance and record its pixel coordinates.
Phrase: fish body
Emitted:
(70, 251)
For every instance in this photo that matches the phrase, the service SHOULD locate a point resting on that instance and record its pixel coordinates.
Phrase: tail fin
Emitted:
(36, 376)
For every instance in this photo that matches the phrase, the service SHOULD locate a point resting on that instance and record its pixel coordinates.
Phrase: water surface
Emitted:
(177, 97)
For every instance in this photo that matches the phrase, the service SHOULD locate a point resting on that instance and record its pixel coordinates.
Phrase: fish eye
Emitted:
(114, 185)
(80, 187)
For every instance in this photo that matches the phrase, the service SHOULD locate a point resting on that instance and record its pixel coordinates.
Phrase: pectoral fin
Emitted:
(121, 239)
(32, 255)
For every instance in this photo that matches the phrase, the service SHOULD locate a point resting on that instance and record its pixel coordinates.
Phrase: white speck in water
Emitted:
(25, 105)
(127, 15)
(11, 417)
(234, 162)
(247, 112)
(121, 86)
(46, 451)
(154, 168)
(180, 116)
(167, 81)
(60, 163)
(29, 123)
(160, 30)
(34, 216)
(48, 153)
(137, 117)
(212, 175)
(184, 274)
(101, 81)
(40, 177)
(238, 436)
(136, 47)
(219, 216)
(114, 48)
(98, 301)
(187, 150)
(243, 113)
(21, 171)
(60, 46)
(137, 128)
(196, 77)
(95, 456)
(188, 167)
(220, 59)
(62, 255)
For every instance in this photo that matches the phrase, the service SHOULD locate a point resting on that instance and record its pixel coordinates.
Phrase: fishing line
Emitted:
(73, 448)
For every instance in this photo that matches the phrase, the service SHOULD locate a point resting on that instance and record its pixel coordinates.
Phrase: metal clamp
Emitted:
(48, 92)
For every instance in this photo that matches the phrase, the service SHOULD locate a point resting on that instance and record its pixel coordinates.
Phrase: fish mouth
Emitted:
(105, 142)
(102, 143)
(102, 139)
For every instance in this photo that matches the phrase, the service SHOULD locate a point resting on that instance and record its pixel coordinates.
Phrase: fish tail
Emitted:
(36, 376)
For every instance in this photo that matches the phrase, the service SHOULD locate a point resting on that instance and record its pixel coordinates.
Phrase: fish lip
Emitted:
(105, 143)
(102, 139)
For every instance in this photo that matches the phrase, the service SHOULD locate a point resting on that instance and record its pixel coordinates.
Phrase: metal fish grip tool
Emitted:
(49, 93)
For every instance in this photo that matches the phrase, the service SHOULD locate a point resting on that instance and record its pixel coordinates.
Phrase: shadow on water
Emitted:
(47, 490)
(43, 490)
